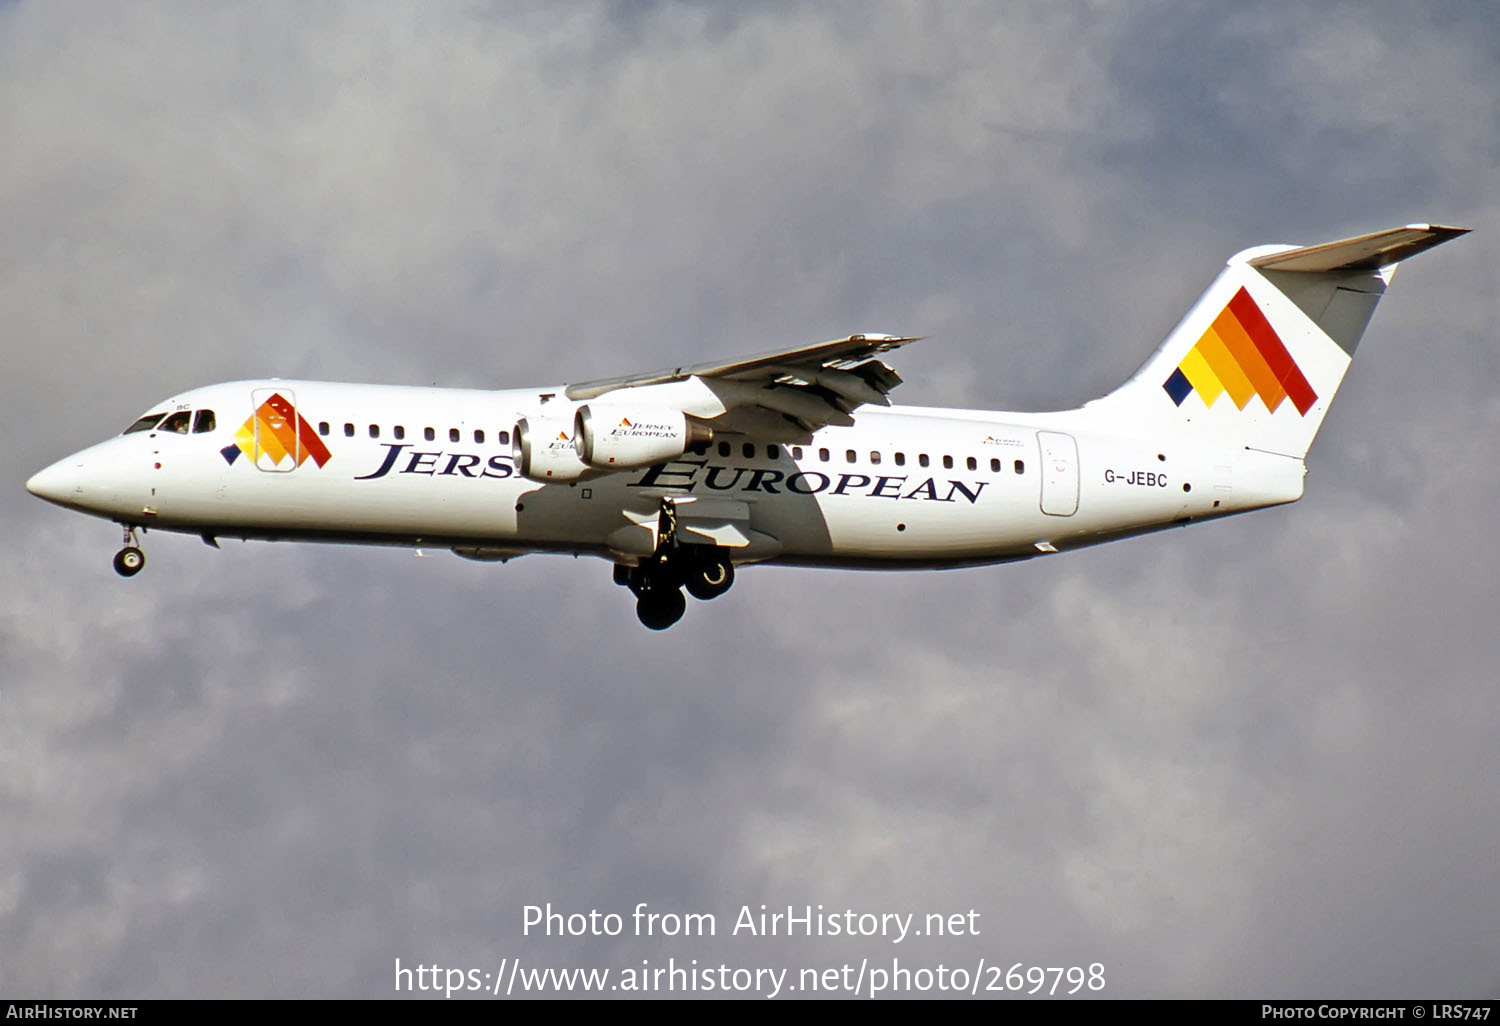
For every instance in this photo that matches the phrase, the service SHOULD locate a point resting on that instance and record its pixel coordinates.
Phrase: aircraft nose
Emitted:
(61, 483)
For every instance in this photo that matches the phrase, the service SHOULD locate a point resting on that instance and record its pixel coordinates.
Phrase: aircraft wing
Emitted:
(804, 387)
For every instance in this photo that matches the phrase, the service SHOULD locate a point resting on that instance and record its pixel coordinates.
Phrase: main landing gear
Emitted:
(130, 560)
(705, 570)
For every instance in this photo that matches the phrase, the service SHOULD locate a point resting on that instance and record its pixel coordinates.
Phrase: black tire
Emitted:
(641, 582)
(661, 608)
(710, 578)
(129, 561)
(650, 578)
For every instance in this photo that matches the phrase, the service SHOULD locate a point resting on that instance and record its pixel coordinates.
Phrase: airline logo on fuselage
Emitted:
(795, 481)
(1241, 354)
(278, 431)
(684, 476)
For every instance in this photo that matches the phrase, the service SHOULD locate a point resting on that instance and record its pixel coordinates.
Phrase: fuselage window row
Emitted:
(203, 421)
(797, 454)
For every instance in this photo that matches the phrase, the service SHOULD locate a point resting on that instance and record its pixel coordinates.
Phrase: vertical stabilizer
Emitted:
(1257, 360)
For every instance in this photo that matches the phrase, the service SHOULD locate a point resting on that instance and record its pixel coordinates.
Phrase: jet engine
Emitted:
(622, 437)
(544, 451)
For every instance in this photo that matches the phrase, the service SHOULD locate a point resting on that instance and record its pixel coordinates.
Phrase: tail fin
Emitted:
(1258, 358)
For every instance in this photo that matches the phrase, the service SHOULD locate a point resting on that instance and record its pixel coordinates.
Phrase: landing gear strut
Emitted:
(130, 560)
(657, 582)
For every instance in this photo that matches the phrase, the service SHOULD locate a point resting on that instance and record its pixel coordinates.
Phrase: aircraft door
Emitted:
(273, 427)
(1059, 473)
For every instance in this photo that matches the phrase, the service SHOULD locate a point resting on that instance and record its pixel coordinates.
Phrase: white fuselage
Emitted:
(903, 487)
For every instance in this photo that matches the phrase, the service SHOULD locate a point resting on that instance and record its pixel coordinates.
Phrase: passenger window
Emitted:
(922, 459)
(947, 462)
(177, 422)
(146, 423)
(399, 432)
(796, 452)
(972, 463)
(429, 434)
(723, 448)
(374, 430)
(994, 466)
(823, 455)
(203, 421)
(773, 452)
(749, 450)
(874, 456)
(1020, 467)
(505, 438)
(849, 455)
(900, 459)
(453, 434)
(478, 437)
(323, 427)
(348, 430)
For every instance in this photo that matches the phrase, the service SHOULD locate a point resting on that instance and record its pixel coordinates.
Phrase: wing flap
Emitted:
(790, 400)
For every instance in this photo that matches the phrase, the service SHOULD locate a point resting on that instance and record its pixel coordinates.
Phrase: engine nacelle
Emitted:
(544, 450)
(624, 437)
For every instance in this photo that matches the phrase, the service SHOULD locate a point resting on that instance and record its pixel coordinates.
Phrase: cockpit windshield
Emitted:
(200, 421)
(146, 423)
(177, 422)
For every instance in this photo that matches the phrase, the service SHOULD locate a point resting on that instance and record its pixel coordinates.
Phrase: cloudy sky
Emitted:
(1249, 759)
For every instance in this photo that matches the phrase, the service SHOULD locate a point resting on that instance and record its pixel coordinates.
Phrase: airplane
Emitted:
(793, 457)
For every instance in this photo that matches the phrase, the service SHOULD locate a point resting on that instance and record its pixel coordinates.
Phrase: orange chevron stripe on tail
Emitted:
(1241, 354)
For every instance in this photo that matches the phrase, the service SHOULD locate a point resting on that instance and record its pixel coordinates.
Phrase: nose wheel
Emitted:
(130, 560)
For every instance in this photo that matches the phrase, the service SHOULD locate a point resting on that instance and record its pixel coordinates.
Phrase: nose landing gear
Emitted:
(130, 560)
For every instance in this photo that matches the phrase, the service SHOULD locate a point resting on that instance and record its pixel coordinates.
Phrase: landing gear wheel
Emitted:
(660, 608)
(129, 561)
(710, 578)
(645, 581)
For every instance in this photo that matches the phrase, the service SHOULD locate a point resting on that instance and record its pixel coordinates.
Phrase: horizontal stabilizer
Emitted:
(1362, 253)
